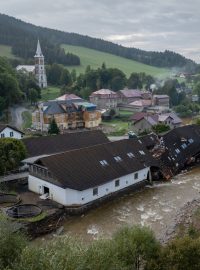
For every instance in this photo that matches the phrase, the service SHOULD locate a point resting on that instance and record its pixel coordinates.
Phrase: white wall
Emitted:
(69, 197)
(56, 193)
(6, 132)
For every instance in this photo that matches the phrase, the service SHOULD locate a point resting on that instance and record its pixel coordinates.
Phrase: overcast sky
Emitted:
(146, 24)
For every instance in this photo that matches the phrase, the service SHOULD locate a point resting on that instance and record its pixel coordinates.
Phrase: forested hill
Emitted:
(23, 37)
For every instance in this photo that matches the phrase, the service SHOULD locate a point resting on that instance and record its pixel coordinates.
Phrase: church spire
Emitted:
(38, 51)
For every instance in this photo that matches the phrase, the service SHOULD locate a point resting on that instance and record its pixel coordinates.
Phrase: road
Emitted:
(16, 115)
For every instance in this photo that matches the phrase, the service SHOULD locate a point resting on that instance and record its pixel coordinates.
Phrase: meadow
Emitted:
(95, 59)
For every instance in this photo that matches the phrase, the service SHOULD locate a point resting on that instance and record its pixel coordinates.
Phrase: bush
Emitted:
(11, 245)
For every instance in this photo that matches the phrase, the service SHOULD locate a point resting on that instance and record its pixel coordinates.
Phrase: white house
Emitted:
(78, 177)
(7, 131)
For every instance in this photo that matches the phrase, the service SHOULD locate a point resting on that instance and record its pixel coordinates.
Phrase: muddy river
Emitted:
(154, 206)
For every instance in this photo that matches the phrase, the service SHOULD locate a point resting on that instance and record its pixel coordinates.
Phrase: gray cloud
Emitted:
(147, 24)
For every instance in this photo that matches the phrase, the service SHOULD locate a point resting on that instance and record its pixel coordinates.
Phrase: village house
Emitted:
(69, 97)
(126, 96)
(8, 131)
(68, 114)
(38, 147)
(161, 101)
(38, 70)
(104, 99)
(144, 121)
(140, 105)
(79, 177)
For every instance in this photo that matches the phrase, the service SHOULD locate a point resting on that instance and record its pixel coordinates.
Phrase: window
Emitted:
(130, 154)
(2, 135)
(190, 140)
(136, 176)
(142, 152)
(117, 158)
(95, 191)
(184, 145)
(11, 134)
(103, 162)
(139, 141)
(177, 150)
(117, 183)
(152, 138)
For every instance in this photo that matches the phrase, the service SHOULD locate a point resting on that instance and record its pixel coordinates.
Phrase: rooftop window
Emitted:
(130, 154)
(184, 145)
(190, 140)
(103, 162)
(117, 158)
(139, 141)
(177, 150)
(142, 152)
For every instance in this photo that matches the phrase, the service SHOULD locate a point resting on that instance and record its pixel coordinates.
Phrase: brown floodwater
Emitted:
(154, 206)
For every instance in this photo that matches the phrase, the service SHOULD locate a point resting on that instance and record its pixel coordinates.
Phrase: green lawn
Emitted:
(50, 93)
(6, 51)
(118, 126)
(27, 119)
(126, 113)
(95, 59)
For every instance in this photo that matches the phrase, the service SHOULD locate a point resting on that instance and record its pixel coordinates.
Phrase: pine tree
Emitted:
(53, 128)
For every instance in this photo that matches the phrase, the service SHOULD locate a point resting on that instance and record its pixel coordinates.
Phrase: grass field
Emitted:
(6, 51)
(27, 119)
(96, 58)
(50, 93)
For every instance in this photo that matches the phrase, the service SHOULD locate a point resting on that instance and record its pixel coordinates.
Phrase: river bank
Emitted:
(162, 207)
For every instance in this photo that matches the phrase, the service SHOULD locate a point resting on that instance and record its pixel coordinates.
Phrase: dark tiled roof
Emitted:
(59, 143)
(3, 126)
(187, 140)
(81, 169)
(131, 93)
(54, 108)
(150, 140)
(138, 116)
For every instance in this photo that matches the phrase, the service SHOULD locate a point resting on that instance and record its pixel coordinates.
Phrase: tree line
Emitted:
(130, 248)
(16, 87)
(94, 79)
(22, 37)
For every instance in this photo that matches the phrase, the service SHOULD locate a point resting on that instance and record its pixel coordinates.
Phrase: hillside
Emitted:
(22, 37)
(95, 59)
(6, 51)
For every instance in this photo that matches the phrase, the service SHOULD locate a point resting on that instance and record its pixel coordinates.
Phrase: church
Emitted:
(38, 69)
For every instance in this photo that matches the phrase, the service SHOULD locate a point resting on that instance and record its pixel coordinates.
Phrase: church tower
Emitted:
(40, 72)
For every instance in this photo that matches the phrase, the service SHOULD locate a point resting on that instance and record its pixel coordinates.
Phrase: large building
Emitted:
(104, 99)
(82, 176)
(38, 70)
(68, 113)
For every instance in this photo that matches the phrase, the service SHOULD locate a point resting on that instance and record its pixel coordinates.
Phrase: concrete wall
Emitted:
(69, 197)
(6, 133)
(141, 126)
